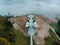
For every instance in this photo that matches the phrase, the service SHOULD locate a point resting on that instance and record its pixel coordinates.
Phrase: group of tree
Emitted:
(58, 28)
(6, 29)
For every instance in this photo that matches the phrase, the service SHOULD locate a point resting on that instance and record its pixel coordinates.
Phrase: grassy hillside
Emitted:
(53, 39)
(6, 31)
(21, 39)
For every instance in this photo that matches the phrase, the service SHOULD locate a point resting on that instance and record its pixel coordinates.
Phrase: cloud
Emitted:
(48, 8)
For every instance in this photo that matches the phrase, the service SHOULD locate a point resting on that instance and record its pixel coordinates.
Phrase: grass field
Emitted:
(21, 39)
(53, 39)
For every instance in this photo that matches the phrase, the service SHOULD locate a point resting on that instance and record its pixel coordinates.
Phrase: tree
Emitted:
(58, 23)
(9, 29)
(58, 28)
(4, 41)
(6, 29)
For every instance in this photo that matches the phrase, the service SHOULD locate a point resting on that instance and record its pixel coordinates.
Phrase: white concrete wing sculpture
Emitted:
(34, 24)
(27, 24)
(31, 23)
(31, 26)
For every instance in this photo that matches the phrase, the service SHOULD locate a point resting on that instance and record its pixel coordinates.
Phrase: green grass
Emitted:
(53, 39)
(21, 39)
(50, 40)
(54, 25)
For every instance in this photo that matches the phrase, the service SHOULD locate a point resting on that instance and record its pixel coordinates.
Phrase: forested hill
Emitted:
(7, 36)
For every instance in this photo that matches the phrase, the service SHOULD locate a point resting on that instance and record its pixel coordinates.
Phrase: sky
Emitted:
(48, 8)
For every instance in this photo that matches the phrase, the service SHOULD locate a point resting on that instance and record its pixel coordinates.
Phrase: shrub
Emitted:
(4, 41)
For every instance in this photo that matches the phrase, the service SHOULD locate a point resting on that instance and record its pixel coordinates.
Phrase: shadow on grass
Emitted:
(52, 40)
(21, 39)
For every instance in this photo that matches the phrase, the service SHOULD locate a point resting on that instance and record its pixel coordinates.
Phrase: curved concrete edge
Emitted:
(55, 33)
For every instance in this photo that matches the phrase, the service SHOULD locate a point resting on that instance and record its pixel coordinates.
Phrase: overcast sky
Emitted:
(18, 7)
